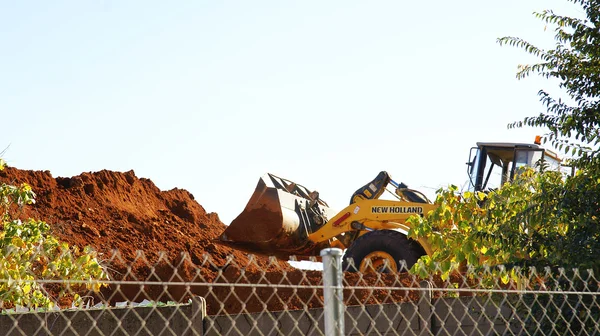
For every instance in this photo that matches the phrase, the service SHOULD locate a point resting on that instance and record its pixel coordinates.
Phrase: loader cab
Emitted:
(491, 164)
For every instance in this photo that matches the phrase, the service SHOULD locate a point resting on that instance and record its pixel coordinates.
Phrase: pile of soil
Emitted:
(119, 211)
(146, 234)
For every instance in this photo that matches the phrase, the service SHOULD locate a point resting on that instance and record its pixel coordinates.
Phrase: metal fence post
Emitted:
(333, 291)
(425, 308)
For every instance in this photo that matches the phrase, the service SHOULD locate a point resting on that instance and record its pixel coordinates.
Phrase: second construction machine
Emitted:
(284, 219)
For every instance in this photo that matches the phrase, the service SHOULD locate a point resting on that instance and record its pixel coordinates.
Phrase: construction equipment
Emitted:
(286, 219)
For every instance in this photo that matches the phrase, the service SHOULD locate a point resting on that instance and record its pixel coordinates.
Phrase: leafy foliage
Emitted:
(516, 224)
(575, 63)
(538, 219)
(28, 254)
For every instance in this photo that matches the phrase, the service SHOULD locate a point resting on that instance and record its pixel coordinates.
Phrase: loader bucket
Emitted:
(271, 224)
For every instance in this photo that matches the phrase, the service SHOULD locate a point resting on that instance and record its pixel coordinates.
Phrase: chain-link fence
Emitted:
(180, 296)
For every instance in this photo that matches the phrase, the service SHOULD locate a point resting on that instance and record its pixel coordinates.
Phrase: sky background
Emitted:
(210, 95)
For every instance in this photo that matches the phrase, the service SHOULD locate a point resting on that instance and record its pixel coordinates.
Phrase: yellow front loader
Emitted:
(284, 219)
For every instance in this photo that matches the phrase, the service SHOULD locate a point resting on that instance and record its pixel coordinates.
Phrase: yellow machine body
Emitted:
(283, 218)
(370, 215)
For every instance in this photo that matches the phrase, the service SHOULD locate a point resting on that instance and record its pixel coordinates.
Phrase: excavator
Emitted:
(285, 219)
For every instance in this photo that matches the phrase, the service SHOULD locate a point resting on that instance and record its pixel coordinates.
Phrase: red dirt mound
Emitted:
(119, 211)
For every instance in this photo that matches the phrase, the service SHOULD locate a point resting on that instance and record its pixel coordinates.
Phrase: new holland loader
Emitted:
(283, 218)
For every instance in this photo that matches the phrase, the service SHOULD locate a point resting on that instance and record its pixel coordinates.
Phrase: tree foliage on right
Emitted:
(573, 124)
(541, 204)
(541, 219)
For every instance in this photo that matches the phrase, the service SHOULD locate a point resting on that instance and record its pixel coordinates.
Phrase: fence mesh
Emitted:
(180, 296)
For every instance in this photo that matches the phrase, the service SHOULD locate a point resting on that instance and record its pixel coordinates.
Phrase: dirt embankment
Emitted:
(114, 211)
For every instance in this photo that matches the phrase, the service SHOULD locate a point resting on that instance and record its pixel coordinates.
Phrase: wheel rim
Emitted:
(380, 262)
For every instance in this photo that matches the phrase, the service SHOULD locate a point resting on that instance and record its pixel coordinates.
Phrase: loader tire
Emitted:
(378, 246)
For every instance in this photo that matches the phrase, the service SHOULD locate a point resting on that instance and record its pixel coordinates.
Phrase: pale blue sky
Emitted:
(209, 96)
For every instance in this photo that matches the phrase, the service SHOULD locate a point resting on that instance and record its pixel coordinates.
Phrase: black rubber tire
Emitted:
(391, 242)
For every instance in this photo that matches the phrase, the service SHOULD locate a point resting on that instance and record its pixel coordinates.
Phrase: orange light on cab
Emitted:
(538, 140)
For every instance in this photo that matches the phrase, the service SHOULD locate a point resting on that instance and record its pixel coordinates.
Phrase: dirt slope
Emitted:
(113, 210)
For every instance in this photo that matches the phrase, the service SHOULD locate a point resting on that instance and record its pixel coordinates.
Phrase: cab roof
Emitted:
(507, 144)
(516, 145)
